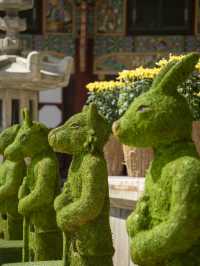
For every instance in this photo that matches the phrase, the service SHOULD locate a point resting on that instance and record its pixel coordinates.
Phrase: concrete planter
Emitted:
(124, 194)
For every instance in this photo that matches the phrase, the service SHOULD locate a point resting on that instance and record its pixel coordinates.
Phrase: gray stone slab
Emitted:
(10, 251)
(7, 244)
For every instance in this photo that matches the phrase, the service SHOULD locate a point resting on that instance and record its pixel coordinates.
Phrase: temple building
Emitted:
(104, 37)
(97, 39)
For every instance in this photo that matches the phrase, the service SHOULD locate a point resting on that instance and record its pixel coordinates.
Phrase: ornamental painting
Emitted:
(110, 17)
(59, 16)
(197, 17)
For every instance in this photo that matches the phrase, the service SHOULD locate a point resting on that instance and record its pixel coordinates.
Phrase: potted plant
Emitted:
(105, 95)
(137, 81)
(113, 98)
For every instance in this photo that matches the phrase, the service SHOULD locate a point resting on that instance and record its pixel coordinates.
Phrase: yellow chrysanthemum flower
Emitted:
(129, 76)
(104, 85)
(198, 66)
(138, 74)
(164, 61)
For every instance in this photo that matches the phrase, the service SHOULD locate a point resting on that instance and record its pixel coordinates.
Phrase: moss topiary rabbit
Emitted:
(165, 227)
(83, 207)
(11, 176)
(39, 187)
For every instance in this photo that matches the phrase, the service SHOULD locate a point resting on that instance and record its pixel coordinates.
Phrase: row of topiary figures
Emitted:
(81, 211)
(165, 227)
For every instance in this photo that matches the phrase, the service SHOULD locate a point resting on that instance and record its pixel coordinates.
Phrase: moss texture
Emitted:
(164, 229)
(83, 206)
(39, 187)
(11, 176)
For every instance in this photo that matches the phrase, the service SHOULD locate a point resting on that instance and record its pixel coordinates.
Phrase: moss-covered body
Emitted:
(83, 207)
(164, 229)
(11, 176)
(39, 188)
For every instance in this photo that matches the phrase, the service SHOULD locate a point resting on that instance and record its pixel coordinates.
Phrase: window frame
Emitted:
(162, 30)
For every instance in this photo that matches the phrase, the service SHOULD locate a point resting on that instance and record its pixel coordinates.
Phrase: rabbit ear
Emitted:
(162, 73)
(26, 117)
(85, 108)
(16, 128)
(93, 114)
(175, 73)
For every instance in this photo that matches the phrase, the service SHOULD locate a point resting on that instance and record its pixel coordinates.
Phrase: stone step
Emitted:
(10, 251)
(40, 263)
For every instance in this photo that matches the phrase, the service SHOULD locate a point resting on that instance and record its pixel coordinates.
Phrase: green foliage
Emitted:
(39, 187)
(106, 102)
(114, 97)
(113, 103)
(164, 227)
(129, 93)
(190, 89)
(83, 206)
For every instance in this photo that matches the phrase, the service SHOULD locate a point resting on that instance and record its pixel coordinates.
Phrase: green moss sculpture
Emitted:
(39, 187)
(83, 206)
(11, 176)
(165, 227)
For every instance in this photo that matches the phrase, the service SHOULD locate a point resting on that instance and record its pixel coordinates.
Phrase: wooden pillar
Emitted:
(83, 60)
(75, 95)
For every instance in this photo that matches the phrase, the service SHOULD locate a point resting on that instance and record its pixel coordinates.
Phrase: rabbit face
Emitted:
(154, 119)
(161, 115)
(30, 140)
(83, 132)
(70, 137)
(7, 136)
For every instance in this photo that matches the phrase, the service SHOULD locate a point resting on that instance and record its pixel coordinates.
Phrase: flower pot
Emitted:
(196, 134)
(114, 156)
(137, 160)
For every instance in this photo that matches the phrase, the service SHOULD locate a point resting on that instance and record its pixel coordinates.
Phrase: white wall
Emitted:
(50, 114)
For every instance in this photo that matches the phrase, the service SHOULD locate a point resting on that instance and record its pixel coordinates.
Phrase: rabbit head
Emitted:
(7, 136)
(161, 115)
(31, 139)
(86, 131)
